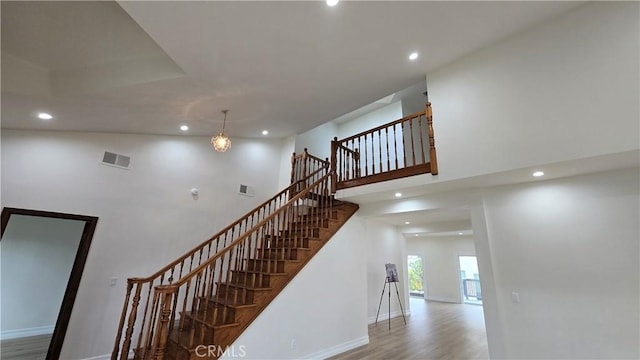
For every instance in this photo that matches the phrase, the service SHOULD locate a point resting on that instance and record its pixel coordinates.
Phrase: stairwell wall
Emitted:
(322, 311)
(147, 215)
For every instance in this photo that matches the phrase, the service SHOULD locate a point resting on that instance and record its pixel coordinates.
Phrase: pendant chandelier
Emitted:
(221, 142)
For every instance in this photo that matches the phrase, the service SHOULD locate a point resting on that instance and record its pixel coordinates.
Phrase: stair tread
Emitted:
(259, 272)
(246, 287)
(199, 317)
(293, 261)
(229, 303)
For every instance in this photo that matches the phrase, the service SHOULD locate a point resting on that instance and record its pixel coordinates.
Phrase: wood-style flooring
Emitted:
(434, 331)
(29, 348)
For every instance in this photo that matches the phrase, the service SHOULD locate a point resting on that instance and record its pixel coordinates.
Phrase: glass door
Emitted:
(416, 285)
(470, 280)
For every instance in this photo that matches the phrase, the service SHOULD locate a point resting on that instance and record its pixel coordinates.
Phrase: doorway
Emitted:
(416, 277)
(470, 280)
(43, 256)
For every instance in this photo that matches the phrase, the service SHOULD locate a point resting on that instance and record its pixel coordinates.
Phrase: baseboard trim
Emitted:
(338, 349)
(372, 319)
(20, 333)
(442, 299)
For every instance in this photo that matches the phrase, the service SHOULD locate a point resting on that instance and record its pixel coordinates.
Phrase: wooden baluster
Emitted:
(191, 263)
(404, 147)
(345, 163)
(132, 321)
(334, 158)
(358, 165)
(413, 152)
(116, 346)
(380, 150)
(150, 340)
(305, 156)
(293, 167)
(432, 147)
(162, 331)
(366, 157)
(184, 307)
(144, 314)
(373, 156)
(395, 145)
(386, 134)
(424, 161)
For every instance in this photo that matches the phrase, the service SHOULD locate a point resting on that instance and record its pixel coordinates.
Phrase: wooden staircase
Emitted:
(197, 306)
(223, 317)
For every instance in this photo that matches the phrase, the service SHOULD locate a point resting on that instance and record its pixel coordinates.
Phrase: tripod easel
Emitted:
(388, 281)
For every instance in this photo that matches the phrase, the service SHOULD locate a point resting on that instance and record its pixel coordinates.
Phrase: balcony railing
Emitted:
(401, 148)
(471, 288)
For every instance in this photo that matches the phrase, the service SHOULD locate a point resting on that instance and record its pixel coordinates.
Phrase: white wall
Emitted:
(570, 249)
(384, 244)
(317, 141)
(147, 215)
(288, 146)
(567, 89)
(414, 103)
(370, 120)
(440, 264)
(322, 310)
(37, 255)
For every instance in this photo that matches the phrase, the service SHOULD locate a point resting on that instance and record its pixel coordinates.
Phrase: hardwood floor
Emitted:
(30, 348)
(433, 331)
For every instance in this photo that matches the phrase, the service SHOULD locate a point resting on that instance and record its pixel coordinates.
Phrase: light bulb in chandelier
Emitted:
(221, 142)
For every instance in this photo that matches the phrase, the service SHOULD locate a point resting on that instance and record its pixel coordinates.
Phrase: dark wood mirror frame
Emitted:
(55, 346)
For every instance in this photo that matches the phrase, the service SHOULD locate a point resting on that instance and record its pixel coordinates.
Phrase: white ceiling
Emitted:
(149, 66)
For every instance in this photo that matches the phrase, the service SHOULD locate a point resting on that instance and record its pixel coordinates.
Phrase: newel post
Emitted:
(334, 160)
(162, 328)
(432, 145)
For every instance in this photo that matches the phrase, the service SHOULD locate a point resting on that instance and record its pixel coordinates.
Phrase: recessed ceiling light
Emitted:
(459, 233)
(538, 173)
(407, 223)
(413, 56)
(265, 132)
(415, 235)
(184, 128)
(398, 194)
(45, 116)
(332, 2)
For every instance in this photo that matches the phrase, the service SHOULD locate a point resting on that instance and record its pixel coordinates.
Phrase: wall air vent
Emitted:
(116, 160)
(246, 190)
